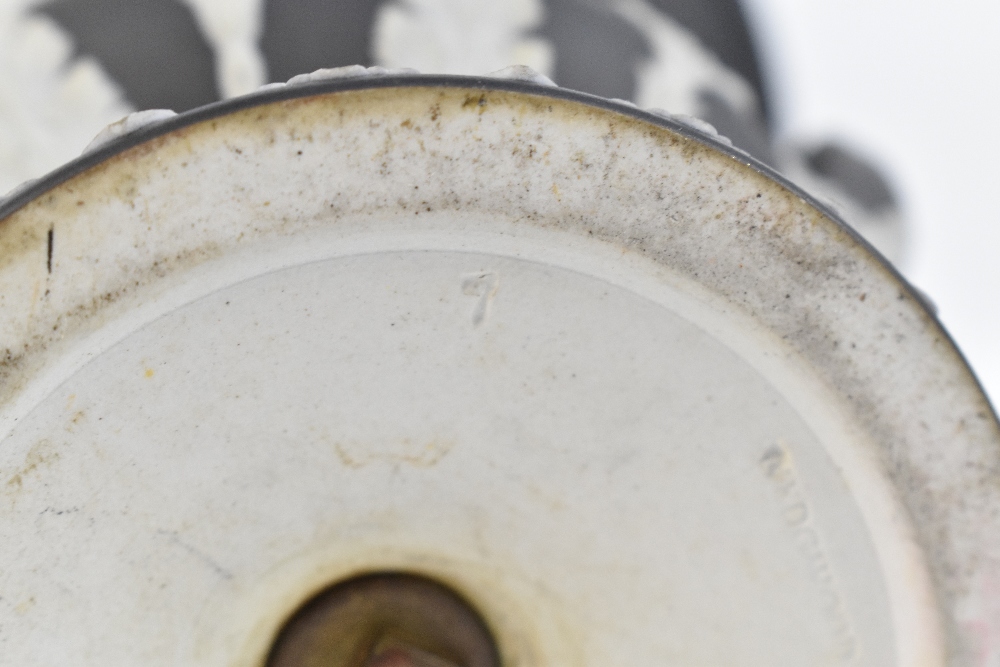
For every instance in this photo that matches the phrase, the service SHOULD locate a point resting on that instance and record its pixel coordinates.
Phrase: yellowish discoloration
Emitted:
(404, 451)
(20, 237)
(24, 606)
(76, 418)
(40, 455)
(544, 497)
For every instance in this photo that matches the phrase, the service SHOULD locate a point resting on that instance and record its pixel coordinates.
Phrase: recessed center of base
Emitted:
(385, 620)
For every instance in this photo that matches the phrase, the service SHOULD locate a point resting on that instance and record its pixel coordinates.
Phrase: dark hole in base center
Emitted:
(385, 620)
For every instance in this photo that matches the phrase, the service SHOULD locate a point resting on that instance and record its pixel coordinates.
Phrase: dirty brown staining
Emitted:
(419, 454)
(18, 239)
(477, 102)
(42, 454)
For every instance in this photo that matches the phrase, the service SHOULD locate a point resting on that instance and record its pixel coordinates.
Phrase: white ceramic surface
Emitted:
(637, 400)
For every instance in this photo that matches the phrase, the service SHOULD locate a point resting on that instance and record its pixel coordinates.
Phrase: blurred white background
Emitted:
(915, 86)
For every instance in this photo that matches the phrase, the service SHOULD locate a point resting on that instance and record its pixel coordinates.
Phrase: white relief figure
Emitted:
(682, 76)
(680, 67)
(68, 68)
(51, 104)
(233, 29)
(55, 96)
(460, 36)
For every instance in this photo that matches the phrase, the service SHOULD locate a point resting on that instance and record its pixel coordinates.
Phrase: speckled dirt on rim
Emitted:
(77, 255)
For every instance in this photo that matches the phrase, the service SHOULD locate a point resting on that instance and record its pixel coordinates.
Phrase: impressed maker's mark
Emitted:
(779, 467)
(484, 285)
